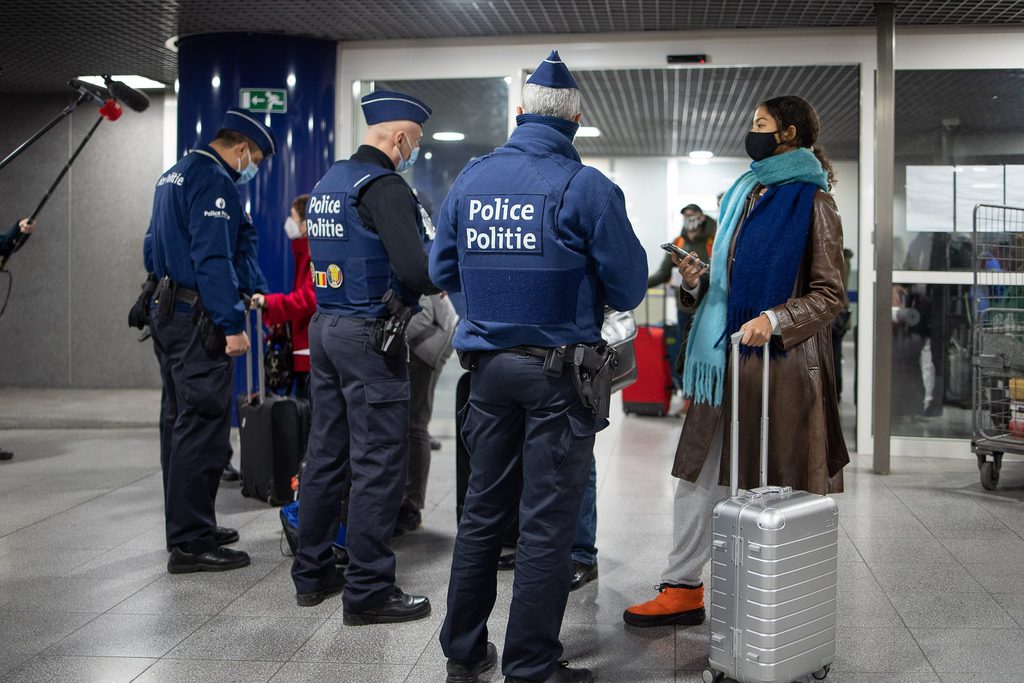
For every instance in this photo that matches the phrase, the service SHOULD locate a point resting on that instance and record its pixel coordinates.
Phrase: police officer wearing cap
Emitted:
(531, 245)
(194, 243)
(367, 244)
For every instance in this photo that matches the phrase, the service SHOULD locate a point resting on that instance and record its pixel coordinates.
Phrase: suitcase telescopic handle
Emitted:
(257, 341)
(260, 352)
(734, 443)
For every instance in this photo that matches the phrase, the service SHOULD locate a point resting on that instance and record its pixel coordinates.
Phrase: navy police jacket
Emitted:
(350, 267)
(531, 245)
(193, 235)
(247, 267)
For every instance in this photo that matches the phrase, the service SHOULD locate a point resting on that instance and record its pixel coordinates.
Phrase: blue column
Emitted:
(212, 71)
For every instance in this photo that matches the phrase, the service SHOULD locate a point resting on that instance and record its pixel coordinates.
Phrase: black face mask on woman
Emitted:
(760, 146)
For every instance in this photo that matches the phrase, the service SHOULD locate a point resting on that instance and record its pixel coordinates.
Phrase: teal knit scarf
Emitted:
(706, 348)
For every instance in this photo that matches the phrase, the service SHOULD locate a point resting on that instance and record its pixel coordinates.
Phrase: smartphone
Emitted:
(673, 249)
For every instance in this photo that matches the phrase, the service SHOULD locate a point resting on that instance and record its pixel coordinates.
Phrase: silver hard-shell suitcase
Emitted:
(773, 572)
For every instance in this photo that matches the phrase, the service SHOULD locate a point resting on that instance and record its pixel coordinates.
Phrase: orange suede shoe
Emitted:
(682, 605)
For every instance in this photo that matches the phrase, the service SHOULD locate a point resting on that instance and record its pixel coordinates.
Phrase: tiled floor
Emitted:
(932, 575)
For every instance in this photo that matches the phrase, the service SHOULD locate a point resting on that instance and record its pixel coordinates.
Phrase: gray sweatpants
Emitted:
(691, 522)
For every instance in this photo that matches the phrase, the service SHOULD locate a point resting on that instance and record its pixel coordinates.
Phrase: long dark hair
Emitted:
(790, 110)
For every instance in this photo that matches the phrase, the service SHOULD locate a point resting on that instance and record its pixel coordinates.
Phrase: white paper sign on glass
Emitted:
(976, 185)
(1015, 186)
(929, 198)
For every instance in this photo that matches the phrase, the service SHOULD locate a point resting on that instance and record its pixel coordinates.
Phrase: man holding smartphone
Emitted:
(696, 236)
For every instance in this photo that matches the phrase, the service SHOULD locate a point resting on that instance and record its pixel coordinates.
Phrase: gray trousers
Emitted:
(691, 519)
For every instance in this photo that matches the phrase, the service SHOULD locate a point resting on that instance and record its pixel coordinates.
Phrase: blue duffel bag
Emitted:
(290, 524)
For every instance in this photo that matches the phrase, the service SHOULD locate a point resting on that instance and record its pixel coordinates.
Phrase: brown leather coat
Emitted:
(806, 449)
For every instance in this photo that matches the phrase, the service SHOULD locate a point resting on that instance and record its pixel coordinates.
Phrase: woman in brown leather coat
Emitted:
(778, 277)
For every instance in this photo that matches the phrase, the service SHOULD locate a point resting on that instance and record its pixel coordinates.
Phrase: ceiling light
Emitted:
(290, 80)
(215, 82)
(448, 136)
(701, 154)
(137, 82)
(428, 156)
(588, 132)
(699, 162)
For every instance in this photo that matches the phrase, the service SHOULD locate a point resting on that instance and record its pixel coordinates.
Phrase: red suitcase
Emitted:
(652, 391)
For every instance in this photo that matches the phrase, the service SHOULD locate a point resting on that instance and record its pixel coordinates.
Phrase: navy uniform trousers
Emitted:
(360, 427)
(195, 432)
(529, 433)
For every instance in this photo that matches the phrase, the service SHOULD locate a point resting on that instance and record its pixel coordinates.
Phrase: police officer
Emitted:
(531, 245)
(193, 244)
(369, 267)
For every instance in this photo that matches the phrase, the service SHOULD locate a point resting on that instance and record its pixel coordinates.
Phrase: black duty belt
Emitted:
(538, 351)
(189, 296)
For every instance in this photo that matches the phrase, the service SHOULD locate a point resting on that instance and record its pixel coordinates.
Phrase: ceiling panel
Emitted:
(45, 42)
(671, 112)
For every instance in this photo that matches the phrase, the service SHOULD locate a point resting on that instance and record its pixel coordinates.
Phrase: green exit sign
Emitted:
(267, 100)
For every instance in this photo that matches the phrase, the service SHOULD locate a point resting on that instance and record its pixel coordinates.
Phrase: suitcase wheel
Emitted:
(822, 673)
(712, 676)
(245, 492)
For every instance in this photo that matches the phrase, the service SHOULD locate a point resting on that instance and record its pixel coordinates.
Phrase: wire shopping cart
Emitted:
(998, 356)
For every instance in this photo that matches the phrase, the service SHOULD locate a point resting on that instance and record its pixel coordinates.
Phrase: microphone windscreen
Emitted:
(135, 100)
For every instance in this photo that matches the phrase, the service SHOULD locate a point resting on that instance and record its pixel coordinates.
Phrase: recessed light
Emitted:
(215, 82)
(701, 154)
(428, 156)
(588, 132)
(448, 136)
(290, 80)
(137, 82)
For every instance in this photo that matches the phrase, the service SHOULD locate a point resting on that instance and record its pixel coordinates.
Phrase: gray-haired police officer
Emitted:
(194, 240)
(369, 263)
(531, 245)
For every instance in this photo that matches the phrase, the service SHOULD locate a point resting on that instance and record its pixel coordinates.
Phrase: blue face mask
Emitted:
(247, 173)
(405, 164)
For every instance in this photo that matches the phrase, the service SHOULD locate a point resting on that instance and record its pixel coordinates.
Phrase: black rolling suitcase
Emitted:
(273, 431)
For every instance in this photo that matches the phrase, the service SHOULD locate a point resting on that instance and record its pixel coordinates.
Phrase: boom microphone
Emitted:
(132, 98)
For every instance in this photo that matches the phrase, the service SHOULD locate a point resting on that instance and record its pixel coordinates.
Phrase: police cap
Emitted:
(386, 105)
(244, 122)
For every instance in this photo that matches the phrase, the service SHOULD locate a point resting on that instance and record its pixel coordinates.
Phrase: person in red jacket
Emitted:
(298, 306)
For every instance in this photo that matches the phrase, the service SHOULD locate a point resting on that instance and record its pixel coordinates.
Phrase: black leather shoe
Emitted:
(314, 598)
(563, 674)
(408, 520)
(230, 473)
(6, 455)
(225, 535)
(507, 563)
(217, 560)
(397, 608)
(469, 672)
(582, 574)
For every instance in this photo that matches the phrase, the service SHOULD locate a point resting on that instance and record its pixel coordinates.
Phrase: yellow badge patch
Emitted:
(334, 276)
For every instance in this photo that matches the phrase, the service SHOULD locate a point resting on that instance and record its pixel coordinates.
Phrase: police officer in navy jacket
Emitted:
(531, 245)
(367, 242)
(195, 240)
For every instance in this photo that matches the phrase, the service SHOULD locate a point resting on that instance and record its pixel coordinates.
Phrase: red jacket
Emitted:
(296, 307)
